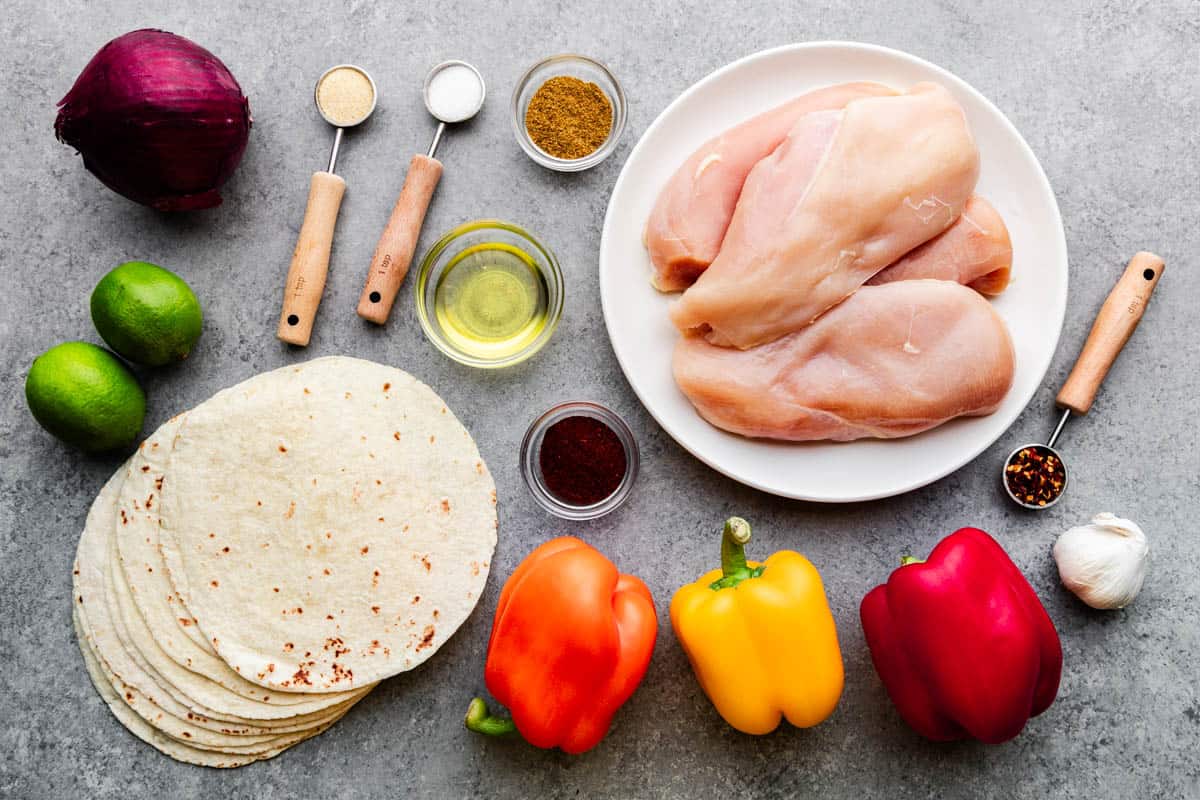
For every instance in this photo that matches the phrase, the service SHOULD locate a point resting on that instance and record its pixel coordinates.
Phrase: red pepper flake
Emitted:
(582, 460)
(1035, 476)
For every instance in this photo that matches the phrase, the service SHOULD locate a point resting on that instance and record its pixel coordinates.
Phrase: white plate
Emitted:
(643, 337)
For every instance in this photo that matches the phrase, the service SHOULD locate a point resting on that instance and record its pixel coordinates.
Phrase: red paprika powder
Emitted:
(582, 460)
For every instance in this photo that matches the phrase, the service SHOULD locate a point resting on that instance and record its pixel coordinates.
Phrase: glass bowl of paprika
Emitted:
(568, 112)
(580, 460)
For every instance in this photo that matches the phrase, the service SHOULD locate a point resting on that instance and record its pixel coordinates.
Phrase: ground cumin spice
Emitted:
(569, 118)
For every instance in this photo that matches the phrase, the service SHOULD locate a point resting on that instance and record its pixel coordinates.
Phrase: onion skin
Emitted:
(158, 119)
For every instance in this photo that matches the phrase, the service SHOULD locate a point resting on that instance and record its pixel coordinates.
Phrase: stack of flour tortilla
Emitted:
(266, 558)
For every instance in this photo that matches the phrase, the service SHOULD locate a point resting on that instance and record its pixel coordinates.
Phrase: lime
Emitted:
(146, 313)
(85, 396)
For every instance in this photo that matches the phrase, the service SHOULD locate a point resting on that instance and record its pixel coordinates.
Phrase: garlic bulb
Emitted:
(1103, 563)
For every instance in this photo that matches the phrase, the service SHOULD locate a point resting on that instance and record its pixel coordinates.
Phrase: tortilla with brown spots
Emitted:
(316, 549)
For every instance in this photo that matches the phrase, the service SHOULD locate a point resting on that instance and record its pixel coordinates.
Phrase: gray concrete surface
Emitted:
(1105, 93)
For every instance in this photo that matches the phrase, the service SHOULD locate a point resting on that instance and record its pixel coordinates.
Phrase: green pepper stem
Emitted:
(906, 560)
(734, 539)
(480, 720)
(734, 568)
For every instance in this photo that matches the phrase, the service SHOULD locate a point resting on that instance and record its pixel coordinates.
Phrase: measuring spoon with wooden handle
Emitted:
(345, 97)
(1118, 317)
(454, 92)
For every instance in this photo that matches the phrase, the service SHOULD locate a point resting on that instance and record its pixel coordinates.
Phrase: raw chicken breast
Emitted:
(892, 360)
(685, 229)
(975, 251)
(847, 193)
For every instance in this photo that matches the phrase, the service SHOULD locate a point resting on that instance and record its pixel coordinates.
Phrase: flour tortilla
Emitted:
(359, 519)
(148, 714)
(177, 750)
(151, 611)
(143, 730)
(197, 693)
(140, 559)
(135, 691)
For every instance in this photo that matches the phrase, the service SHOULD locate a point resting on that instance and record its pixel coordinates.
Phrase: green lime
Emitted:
(146, 313)
(85, 396)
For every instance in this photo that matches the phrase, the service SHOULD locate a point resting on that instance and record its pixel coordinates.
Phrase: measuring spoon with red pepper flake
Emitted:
(1035, 475)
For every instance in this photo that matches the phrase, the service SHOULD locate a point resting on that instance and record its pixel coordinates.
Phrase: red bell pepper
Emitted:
(570, 642)
(962, 643)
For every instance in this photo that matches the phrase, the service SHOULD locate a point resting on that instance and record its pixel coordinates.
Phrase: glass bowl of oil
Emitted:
(489, 294)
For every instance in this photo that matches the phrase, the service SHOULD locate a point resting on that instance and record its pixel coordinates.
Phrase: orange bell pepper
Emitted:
(570, 642)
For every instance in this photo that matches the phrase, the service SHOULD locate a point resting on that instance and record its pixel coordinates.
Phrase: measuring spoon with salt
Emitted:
(345, 96)
(1118, 317)
(454, 92)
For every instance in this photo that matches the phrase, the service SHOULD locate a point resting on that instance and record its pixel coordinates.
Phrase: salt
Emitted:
(454, 93)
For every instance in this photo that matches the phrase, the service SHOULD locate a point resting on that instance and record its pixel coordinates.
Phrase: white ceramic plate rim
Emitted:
(713, 447)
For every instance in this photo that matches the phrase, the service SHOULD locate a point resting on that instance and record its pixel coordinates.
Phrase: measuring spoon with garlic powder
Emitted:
(1118, 317)
(345, 97)
(454, 92)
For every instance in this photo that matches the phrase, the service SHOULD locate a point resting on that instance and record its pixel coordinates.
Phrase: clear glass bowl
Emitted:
(531, 469)
(444, 253)
(576, 66)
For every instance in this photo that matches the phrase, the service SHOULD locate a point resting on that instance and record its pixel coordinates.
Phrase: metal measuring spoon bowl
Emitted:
(1011, 464)
(345, 95)
(454, 91)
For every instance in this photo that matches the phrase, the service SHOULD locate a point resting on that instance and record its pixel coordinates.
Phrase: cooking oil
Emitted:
(491, 301)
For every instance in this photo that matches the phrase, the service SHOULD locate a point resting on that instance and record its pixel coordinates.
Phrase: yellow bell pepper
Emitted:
(761, 637)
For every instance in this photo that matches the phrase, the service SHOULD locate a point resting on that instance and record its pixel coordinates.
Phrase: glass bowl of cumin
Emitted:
(581, 68)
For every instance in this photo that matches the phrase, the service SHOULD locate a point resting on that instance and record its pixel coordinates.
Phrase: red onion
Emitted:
(158, 119)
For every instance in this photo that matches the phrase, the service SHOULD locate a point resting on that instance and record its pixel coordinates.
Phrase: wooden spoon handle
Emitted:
(1114, 324)
(310, 261)
(394, 253)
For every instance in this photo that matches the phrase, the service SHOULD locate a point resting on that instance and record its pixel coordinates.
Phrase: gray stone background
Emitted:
(1106, 94)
